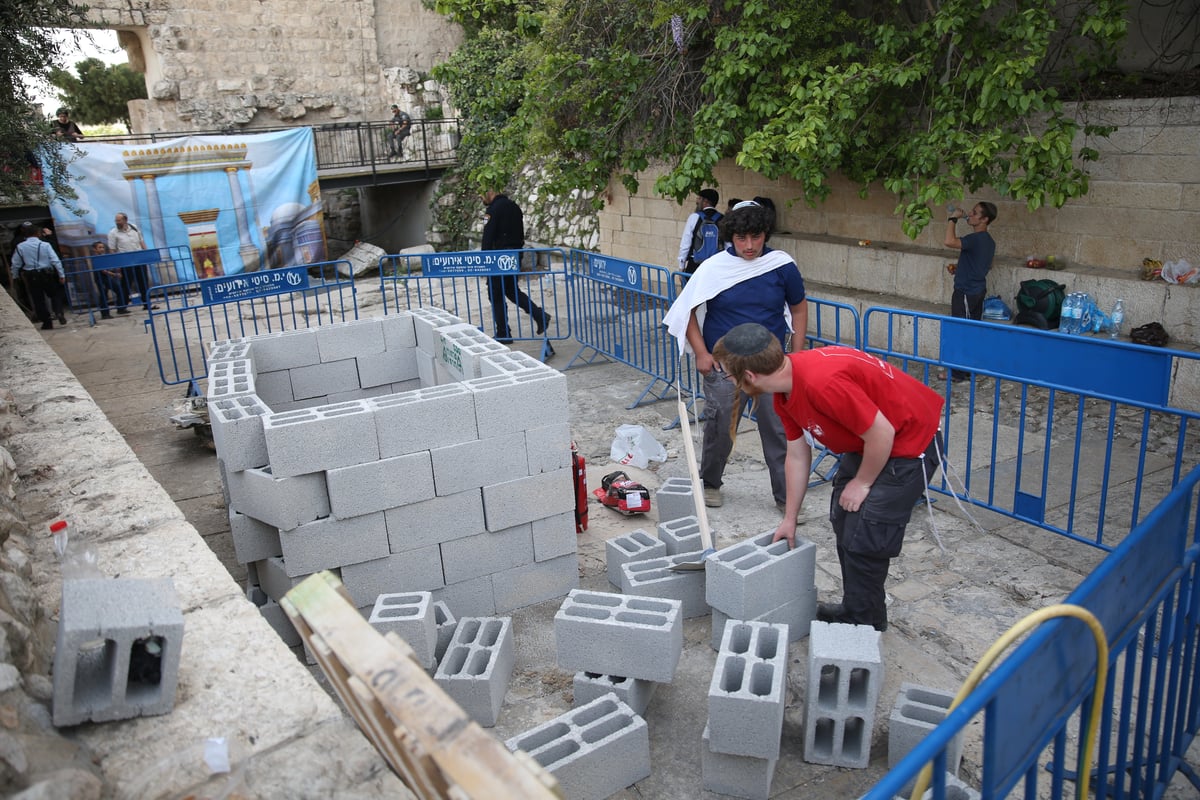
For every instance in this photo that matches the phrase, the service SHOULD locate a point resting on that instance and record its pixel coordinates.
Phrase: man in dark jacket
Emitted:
(504, 229)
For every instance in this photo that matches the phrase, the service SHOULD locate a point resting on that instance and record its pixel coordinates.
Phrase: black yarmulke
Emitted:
(747, 339)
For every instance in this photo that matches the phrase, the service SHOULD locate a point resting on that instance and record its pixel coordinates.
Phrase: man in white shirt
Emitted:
(126, 238)
(706, 201)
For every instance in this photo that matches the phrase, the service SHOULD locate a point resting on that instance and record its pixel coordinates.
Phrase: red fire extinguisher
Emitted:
(579, 476)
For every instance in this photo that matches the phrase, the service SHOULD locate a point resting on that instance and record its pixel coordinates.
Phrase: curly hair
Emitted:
(746, 220)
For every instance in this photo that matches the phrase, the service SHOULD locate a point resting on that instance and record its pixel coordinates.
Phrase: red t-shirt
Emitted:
(836, 392)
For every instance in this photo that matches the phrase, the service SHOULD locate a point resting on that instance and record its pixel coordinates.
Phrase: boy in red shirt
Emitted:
(882, 421)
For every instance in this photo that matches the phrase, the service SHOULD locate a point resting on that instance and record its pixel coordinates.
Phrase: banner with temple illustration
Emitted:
(238, 203)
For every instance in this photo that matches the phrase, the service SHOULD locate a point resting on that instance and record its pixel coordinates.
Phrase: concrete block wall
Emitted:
(594, 751)
(635, 637)
(478, 665)
(760, 580)
(748, 691)
(845, 675)
(117, 649)
(452, 488)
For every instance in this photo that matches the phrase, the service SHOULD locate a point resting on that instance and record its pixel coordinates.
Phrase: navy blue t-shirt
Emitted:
(978, 249)
(760, 299)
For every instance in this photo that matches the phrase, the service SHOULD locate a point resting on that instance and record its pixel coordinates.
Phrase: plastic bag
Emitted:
(634, 446)
(1180, 272)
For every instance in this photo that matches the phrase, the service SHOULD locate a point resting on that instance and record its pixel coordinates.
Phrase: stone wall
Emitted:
(211, 63)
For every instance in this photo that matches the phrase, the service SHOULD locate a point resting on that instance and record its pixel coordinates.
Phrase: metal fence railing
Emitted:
(104, 283)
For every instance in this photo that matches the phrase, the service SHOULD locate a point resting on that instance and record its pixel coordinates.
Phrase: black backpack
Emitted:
(1039, 303)
(706, 238)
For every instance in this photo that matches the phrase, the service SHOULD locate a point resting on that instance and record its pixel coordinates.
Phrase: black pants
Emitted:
(137, 279)
(43, 288)
(967, 306)
(868, 539)
(502, 286)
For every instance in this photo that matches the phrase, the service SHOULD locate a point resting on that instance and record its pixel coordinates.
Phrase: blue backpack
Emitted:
(706, 238)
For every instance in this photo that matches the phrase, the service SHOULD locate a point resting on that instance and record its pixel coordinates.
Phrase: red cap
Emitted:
(55, 527)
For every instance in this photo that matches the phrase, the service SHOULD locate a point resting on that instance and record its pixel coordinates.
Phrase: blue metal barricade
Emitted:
(120, 277)
(193, 315)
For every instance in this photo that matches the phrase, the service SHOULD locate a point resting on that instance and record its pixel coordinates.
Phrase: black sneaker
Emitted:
(543, 324)
(122, 311)
(47, 326)
(62, 320)
(105, 315)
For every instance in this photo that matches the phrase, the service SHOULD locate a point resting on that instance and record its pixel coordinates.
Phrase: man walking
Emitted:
(40, 268)
(126, 238)
(504, 229)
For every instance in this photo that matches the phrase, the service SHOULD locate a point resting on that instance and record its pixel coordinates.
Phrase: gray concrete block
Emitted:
(554, 536)
(399, 334)
(637, 637)
(479, 462)
(274, 388)
(549, 448)
(486, 553)
(461, 349)
(594, 751)
(532, 583)
(478, 666)
(379, 485)
(326, 437)
(426, 419)
(916, 712)
(426, 369)
(635, 693)
(283, 350)
(228, 350)
(426, 320)
(675, 500)
(655, 578)
(253, 540)
(446, 624)
(329, 543)
(633, 546)
(733, 775)
(434, 521)
(384, 369)
(473, 598)
(410, 616)
(509, 362)
(416, 570)
(504, 402)
(230, 379)
(845, 675)
(321, 380)
(273, 577)
(681, 535)
(347, 340)
(748, 691)
(747, 579)
(797, 614)
(117, 649)
(525, 499)
(237, 431)
(275, 616)
(284, 503)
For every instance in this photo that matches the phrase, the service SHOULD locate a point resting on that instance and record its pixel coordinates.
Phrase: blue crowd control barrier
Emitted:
(123, 275)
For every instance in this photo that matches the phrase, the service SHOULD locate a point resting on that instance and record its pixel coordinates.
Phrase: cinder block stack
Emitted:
(117, 650)
(594, 750)
(845, 675)
(338, 450)
(764, 581)
(478, 666)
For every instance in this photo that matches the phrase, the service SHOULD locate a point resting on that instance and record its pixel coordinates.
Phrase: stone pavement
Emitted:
(946, 605)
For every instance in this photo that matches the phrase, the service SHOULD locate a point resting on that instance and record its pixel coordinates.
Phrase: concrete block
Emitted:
(637, 637)
(228, 350)
(399, 334)
(681, 535)
(329, 543)
(426, 320)
(274, 388)
(917, 711)
(253, 540)
(418, 570)
(379, 485)
(733, 775)
(549, 448)
(675, 500)
(237, 431)
(525, 499)
(461, 349)
(230, 379)
(275, 616)
(532, 583)
(478, 666)
(405, 386)
(283, 350)
(426, 369)
(554, 536)
(431, 522)
(509, 362)
(285, 503)
(347, 340)
(633, 546)
(486, 553)
(117, 649)
(426, 419)
(503, 402)
(636, 694)
(594, 751)
(655, 578)
(747, 579)
(473, 598)
(321, 380)
(327, 437)
(845, 674)
(748, 691)
(479, 462)
(384, 369)
(446, 623)
(410, 616)
(797, 614)
(273, 577)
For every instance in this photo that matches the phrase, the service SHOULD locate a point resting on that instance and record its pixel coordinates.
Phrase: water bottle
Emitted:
(75, 557)
(1066, 322)
(1117, 317)
(1085, 314)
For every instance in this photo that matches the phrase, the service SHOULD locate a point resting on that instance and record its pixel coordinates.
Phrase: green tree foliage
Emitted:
(99, 93)
(931, 99)
(29, 51)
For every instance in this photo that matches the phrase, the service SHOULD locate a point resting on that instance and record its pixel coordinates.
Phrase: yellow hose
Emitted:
(993, 652)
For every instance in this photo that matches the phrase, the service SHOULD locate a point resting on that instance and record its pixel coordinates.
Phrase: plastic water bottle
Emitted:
(76, 558)
(1085, 314)
(1117, 318)
(1067, 316)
